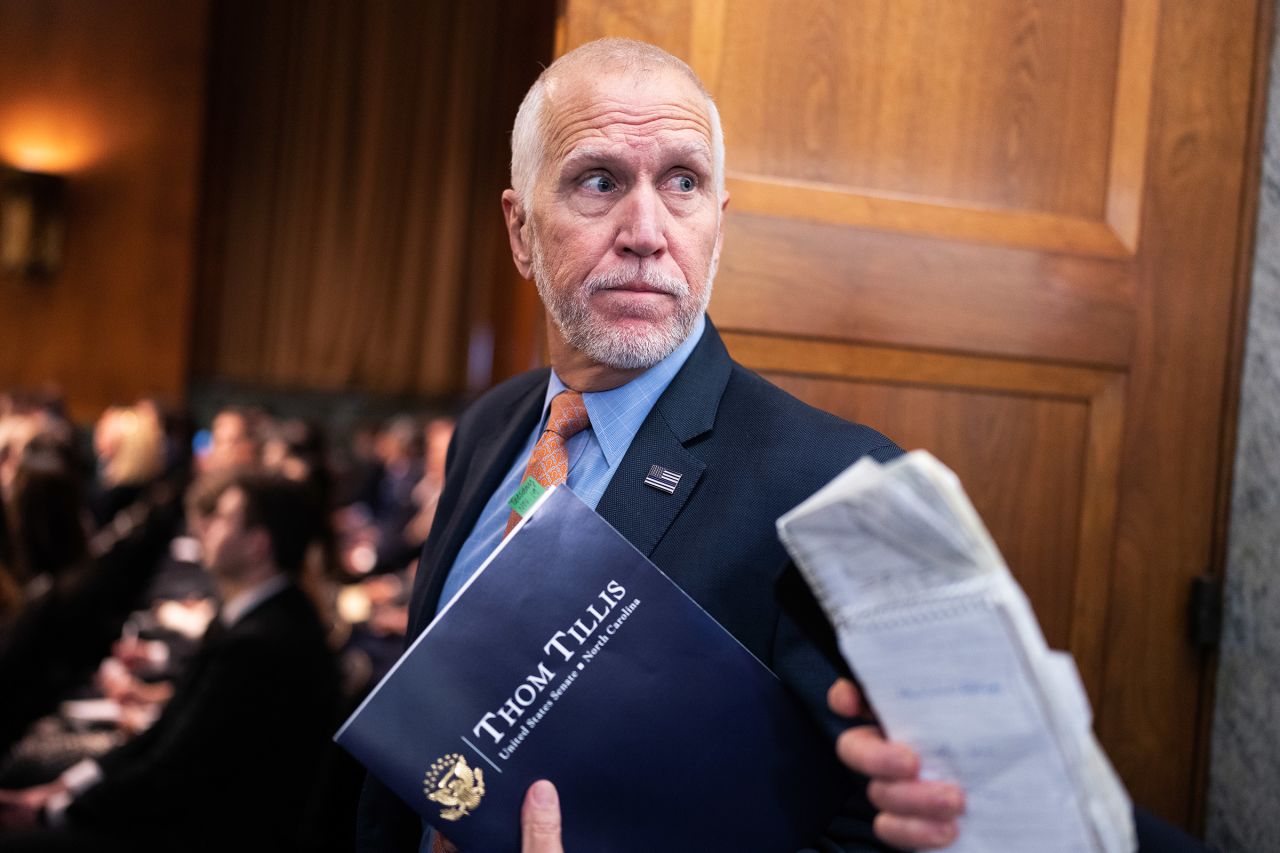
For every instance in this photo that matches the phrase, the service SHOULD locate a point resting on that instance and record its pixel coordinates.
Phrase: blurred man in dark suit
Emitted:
(231, 762)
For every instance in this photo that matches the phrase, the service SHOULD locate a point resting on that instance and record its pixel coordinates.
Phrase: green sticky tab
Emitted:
(528, 493)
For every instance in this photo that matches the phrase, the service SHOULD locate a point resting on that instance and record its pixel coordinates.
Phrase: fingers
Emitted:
(34, 797)
(937, 801)
(17, 814)
(865, 750)
(844, 699)
(914, 814)
(913, 833)
(540, 819)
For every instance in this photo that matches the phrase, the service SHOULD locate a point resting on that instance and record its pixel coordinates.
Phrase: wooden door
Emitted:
(1007, 231)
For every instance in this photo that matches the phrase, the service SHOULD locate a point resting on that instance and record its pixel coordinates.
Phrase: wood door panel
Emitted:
(1035, 445)
(988, 439)
(912, 114)
(785, 275)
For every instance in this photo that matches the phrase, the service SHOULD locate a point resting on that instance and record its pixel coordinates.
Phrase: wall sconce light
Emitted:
(32, 224)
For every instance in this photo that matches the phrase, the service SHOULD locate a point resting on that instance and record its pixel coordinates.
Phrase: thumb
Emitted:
(540, 819)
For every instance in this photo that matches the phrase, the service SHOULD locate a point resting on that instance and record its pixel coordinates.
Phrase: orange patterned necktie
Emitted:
(549, 463)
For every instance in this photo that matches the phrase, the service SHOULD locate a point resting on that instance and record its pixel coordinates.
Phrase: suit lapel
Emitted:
(685, 411)
(642, 514)
(494, 451)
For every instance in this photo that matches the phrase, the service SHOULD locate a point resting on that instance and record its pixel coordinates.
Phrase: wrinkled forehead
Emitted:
(632, 107)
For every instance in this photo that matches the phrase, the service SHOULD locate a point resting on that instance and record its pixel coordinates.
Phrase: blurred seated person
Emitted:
(436, 437)
(131, 685)
(377, 611)
(23, 418)
(232, 761)
(77, 592)
(158, 641)
(178, 430)
(128, 443)
(299, 450)
(236, 440)
(389, 538)
(134, 449)
(399, 450)
(377, 607)
(180, 577)
(358, 469)
(373, 533)
(160, 637)
(46, 544)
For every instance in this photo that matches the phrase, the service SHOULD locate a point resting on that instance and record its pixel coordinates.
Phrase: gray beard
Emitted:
(618, 348)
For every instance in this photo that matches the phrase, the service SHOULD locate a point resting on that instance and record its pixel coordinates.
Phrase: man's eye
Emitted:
(600, 184)
(684, 183)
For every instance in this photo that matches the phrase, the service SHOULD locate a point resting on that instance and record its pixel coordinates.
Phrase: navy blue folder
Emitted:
(569, 656)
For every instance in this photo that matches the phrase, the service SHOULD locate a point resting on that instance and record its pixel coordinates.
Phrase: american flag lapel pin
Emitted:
(662, 479)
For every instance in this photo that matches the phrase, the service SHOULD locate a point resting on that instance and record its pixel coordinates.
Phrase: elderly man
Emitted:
(615, 212)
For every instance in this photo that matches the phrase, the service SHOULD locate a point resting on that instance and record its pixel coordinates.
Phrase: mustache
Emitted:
(644, 275)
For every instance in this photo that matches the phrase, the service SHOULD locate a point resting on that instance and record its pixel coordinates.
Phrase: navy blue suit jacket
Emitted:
(746, 451)
(231, 763)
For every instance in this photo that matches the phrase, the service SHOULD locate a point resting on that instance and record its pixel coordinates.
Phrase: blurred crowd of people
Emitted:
(141, 568)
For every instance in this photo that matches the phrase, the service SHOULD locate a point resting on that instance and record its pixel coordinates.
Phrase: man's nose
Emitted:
(642, 231)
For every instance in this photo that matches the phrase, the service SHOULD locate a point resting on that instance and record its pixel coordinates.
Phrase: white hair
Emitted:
(528, 134)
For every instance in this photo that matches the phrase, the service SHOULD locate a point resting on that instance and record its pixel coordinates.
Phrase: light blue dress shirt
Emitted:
(594, 455)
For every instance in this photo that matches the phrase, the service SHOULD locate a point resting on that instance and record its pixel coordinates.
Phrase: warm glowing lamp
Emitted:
(32, 224)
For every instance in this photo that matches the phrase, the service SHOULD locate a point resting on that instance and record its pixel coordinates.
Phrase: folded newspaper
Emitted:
(950, 655)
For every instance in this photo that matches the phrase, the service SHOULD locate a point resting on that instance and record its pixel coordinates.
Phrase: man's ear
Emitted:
(724, 206)
(521, 251)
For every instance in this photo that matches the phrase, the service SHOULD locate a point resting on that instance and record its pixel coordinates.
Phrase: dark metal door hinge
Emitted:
(1204, 612)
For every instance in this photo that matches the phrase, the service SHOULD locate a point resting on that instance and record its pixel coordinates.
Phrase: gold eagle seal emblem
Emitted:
(454, 785)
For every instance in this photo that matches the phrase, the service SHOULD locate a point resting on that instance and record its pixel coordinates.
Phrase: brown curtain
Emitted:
(356, 155)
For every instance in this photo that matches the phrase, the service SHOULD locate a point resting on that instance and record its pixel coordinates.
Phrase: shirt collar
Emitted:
(616, 414)
(241, 603)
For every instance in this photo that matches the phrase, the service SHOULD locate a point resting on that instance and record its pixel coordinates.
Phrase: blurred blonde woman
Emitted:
(130, 445)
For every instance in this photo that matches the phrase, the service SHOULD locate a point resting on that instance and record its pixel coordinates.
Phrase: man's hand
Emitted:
(21, 809)
(138, 655)
(914, 813)
(540, 819)
(140, 702)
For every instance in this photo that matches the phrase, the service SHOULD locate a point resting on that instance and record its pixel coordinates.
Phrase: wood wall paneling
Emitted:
(1007, 231)
(111, 96)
